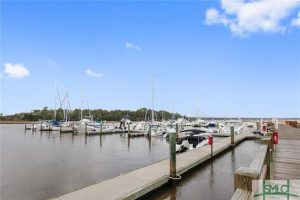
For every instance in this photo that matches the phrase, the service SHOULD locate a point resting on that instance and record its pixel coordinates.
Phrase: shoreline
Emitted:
(16, 122)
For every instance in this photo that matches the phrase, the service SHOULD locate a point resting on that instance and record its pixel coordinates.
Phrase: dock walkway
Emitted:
(286, 158)
(141, 181)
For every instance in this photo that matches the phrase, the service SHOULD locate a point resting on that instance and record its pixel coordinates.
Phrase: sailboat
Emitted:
(156, 129)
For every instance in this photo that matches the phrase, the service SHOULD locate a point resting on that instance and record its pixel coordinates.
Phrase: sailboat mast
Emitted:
(55, 99)
(152, 114)
(66, 108)
(81, 111)
(162, 111)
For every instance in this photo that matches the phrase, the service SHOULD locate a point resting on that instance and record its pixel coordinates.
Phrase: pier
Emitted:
(138, 183)
(286, 157)
(272, 162)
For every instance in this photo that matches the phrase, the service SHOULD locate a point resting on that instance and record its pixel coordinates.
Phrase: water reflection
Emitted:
(232, 156)
(100, 140)
(41, 165)
(213, 180)
(128, 142)
(173, 193)
(149, 139)
(211, 177)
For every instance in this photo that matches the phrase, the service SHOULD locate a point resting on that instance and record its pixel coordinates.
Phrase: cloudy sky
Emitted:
(208, 57)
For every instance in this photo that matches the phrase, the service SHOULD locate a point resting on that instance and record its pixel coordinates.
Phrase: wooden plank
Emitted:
(241, 194)
(259, 158)
(286, 159)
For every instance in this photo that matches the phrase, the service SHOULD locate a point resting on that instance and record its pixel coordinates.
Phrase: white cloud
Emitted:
(92, 73)
(243, 17)
(213, 17)
(16, 71)
(296, 21)
(130, 45)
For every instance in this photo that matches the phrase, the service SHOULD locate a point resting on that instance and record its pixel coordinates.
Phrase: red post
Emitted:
(275, 137)
(210, 142)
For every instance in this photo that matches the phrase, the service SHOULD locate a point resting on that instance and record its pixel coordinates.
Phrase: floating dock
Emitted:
(116, 131)
(140, 182)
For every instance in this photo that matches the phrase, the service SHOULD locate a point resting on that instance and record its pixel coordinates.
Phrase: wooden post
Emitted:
(243, 178)
(25, 127)
(232, 134)
(212, 147)
(172, 142)
(41, 126)
(101, 128)
(270, 135)
(268, 141)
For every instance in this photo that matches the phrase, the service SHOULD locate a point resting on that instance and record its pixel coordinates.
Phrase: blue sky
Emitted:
(208, 59)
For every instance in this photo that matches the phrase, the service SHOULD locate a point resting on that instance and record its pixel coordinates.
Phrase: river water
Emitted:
(213, 180)
(41, 165)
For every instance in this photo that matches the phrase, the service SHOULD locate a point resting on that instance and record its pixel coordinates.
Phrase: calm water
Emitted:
(42, 165)
(214, 180)
(37, 165)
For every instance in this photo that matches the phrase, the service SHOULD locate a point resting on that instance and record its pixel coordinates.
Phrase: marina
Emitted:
(146, 179)
(150, 100)
(142, 181)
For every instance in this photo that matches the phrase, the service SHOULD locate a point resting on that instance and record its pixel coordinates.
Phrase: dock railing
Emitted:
(259, 169)
(294, 123)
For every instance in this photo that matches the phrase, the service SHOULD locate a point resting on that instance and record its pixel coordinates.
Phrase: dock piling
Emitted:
(232, 134)
(210, 142)
(172, 140)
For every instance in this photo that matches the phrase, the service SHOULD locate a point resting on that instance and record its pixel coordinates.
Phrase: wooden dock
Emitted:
(141, 181)
(279, 162)
(286, 157)
(108, 132)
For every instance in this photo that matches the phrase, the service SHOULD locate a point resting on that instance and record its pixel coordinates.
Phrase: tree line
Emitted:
(97, 114)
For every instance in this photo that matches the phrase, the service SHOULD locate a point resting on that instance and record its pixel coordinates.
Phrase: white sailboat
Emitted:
(156, 128)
